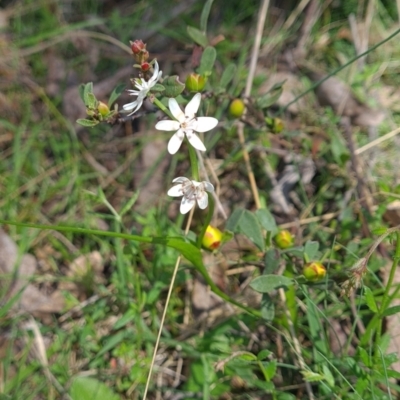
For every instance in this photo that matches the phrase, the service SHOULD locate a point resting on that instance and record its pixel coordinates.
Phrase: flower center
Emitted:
(190, 190)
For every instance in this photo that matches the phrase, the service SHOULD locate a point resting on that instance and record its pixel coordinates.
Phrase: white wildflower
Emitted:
(186, 124)
(143, 89)
(191, 191)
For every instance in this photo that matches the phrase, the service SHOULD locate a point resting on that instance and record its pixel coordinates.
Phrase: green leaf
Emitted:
(173, 87)
(87, 122)
(243, 221)
(263, 354)
(197, 36)
(364, 356)
(268, 283)
(129, 204)
(112, 342)
(115, 94)
(266, 220)
(297, 251)
(271, 97)
(205, 14)
(328, 376)
(207, 61)
(270, 369)
(311, 376)
(85, 388)
(391, 311)
(228, 75)
(271, 261)
(370, 299)
(81, 91)
(310, 250)
(158, 88)
(92, 101)
(88, 88)
(267, 307)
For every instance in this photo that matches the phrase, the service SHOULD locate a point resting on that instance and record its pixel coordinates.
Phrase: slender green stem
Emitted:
(162, 107)
(334, 72)
(193, 161)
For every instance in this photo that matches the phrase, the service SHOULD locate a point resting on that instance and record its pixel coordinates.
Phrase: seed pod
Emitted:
(314, 271)
(284, 239)
(236, 108)
(212, 238)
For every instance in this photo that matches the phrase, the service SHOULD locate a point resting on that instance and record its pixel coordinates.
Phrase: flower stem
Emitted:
(162, 107)
(193, 161)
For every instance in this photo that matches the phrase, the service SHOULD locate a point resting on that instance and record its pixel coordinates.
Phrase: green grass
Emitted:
(101, 344)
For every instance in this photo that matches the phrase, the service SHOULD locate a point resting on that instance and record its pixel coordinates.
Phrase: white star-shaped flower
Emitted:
(191, 191)
(186, 124)
(144, 88)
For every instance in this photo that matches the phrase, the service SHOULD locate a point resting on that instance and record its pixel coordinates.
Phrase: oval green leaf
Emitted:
(269, 283)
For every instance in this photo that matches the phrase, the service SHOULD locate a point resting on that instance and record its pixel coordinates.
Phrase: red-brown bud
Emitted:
(145, 66)
(137, 46)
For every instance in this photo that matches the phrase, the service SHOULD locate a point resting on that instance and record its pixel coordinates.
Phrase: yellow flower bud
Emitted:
(284, 239)
(195, 82)
(212, 238)
(236, 108)
(314, 271)
(103, 109)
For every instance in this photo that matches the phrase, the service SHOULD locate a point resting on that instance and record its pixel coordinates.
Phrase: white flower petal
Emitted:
(156, 75)
(193, 105)
(208, 186)
(205, 124)
(130, 106)
(175, 142)
(167, 125)
(176, 110)
(202, 200)
(186, 205)
(139, 102)
(195, 141)
(181, 179)
(175, 191)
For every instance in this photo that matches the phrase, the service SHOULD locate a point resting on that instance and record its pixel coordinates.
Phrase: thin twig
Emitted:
(171, 286)
(377, 141)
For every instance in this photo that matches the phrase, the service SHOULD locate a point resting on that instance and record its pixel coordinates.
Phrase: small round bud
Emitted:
(195, 82)
(212, 238)
(137, 46)
(145, 66)
(278, 125)
(284, 239)
(103, 109)
(314, 271)
(236, 108)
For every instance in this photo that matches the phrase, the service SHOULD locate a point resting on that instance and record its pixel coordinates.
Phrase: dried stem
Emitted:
(171, 286)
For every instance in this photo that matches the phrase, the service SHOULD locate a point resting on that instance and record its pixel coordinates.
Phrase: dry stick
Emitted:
(216, 193)
(249, 83)
(171, 286)
(377, 141)
(253, 64)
